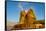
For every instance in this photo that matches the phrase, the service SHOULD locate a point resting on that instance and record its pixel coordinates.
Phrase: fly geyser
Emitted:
(27, 21)
(27, 17)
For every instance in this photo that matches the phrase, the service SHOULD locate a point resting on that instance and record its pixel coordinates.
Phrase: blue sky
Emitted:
(14, 8)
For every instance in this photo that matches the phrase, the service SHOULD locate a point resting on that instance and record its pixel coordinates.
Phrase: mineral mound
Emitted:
(27, 20)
